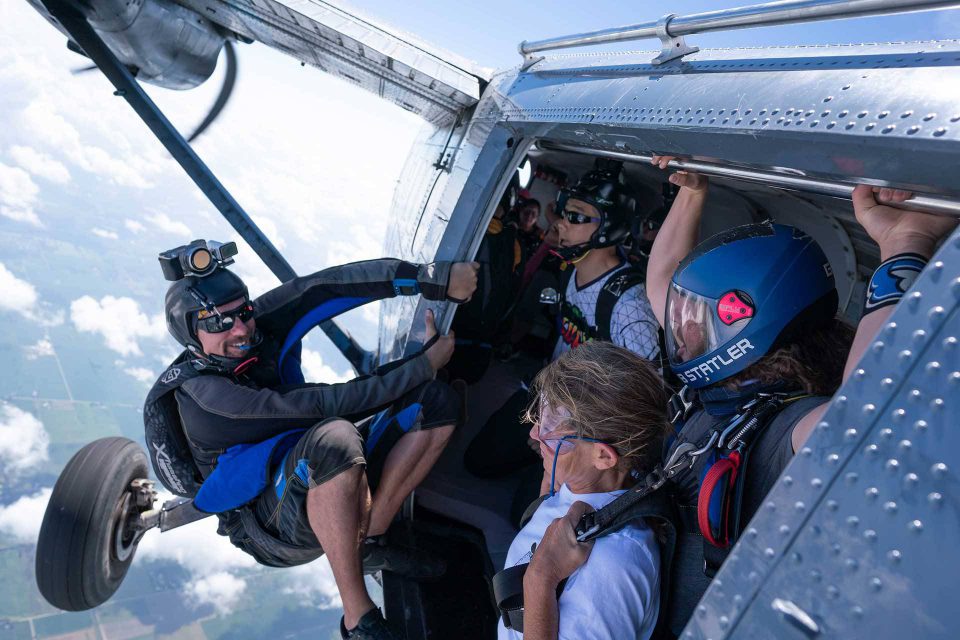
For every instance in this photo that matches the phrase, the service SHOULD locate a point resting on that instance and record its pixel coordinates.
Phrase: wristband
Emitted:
(405, 280)
(892, 279)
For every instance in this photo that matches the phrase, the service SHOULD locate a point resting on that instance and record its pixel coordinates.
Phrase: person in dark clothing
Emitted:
(752, 311)
(479, 324)
(236, 393)
(529, 234)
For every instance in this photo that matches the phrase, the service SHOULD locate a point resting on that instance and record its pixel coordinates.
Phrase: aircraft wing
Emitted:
(420, 78)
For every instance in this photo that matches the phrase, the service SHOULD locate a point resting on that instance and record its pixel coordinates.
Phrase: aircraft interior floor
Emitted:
(452, 491)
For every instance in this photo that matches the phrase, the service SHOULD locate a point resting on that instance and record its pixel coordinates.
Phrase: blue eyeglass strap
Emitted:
(556, 454)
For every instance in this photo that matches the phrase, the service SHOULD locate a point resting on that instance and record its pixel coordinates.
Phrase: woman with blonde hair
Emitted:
(600, 420)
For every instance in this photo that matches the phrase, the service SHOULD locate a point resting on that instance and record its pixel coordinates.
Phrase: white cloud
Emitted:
(211, 560)
(40, 164)
(42, 348)
(18, 195)
(258, 278)
(119, 321)
(313, 585)
(42, 117)
(315, 370)
(165, 223)
(23, 440)
(103, 233)
(142, 374)
(18, 295)
(133, 226)
(221, 589)
(196, 547)
(22, 519)
(361, 242)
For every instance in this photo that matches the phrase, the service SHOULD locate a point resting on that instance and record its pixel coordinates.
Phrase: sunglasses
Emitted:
(575, 217)
(224, 320)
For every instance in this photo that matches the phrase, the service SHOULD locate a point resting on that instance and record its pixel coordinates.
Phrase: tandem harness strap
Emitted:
(729, 441)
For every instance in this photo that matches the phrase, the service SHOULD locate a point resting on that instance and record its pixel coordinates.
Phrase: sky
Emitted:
(311, 158)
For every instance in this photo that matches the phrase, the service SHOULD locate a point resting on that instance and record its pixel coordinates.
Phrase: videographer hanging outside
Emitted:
(232, 424)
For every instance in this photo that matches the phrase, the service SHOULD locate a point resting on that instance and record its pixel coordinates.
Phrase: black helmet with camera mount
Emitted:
(201, 284)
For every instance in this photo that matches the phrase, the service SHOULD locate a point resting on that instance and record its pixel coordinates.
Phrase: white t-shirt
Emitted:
(632, 323)
(616, 594)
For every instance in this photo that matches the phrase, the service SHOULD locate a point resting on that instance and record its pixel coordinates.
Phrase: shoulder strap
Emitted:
(530, 510)
(565, 276)
(616, 285)
(789, 412)
(166, 442)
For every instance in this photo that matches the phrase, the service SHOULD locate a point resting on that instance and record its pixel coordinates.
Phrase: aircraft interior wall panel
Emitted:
(858, 538)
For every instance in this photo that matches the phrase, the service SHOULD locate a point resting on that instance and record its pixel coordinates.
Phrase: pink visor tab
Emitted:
(732, 307)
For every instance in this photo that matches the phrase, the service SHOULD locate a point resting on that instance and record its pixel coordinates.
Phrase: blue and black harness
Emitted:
(244, 471)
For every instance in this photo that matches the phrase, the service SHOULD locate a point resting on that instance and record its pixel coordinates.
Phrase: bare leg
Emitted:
(338, 510)
(406, 466)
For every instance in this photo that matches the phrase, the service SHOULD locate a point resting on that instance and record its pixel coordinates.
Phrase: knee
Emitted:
(442, 406)
(332, 446)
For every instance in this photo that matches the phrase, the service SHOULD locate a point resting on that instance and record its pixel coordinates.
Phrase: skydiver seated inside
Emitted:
(599, 421)
(281, 461)
(601, 298)
(752, 311)
(532, 326)
(478, 323)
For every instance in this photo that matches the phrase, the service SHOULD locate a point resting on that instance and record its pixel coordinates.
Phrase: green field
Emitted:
(14, 630)
(19, 597)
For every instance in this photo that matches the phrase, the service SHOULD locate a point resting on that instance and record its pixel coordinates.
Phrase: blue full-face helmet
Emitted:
(740, 294)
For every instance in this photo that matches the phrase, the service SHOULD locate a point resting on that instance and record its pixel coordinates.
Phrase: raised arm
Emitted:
(364, 281)
(897, 232)
(219, 414)
(677, 236)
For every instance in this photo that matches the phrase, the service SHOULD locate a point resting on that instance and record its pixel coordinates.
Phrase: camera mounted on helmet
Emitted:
(200, 258)
(604, 189)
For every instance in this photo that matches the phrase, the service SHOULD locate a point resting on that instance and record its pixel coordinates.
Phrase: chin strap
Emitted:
(572, 255)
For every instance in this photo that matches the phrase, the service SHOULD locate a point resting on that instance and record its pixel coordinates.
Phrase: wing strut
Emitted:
(127, 87)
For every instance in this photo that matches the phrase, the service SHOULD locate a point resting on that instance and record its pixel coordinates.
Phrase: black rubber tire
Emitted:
(78, 567)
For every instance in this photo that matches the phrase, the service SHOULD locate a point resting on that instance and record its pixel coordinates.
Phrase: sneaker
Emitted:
(371, 626)
(408, 562)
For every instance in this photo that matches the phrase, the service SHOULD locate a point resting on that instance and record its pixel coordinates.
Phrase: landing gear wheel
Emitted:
(89, 533)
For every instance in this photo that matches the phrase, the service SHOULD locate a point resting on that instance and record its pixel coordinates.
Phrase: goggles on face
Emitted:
(698, 325)
(220, 321)
(575, 217)
(549, 426)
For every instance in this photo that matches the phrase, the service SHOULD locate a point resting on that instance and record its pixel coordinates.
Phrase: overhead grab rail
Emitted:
(671, 28)
(928, 204)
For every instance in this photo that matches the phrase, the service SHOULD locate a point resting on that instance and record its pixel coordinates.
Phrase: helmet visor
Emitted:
(698, 325)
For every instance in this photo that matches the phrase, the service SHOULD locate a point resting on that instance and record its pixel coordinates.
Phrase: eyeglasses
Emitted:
(221, 321)
(575, 217)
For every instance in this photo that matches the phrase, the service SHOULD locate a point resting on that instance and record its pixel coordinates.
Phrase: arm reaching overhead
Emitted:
(898, 232)
(678, 234)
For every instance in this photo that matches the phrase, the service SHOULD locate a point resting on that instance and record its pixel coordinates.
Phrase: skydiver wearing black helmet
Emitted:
(232, 424)
(601, 297)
